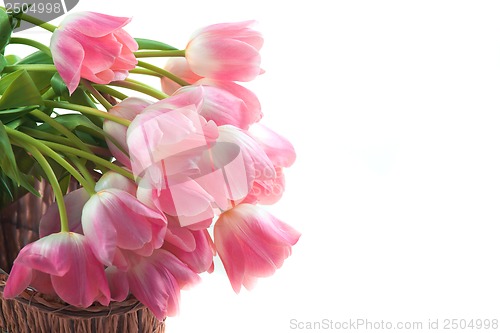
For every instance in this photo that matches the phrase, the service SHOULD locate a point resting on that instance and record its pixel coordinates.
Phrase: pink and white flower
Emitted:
(76, 275)
(200, 258)
(252, 243)
(226, 51)
(221, 106)
(168, 129)
(252, 103)
(155, 280)
(114, 220)
(92, 46)
(282, 155)
(116, 134)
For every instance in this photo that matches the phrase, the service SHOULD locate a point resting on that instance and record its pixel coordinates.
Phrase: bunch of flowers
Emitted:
(166, 181)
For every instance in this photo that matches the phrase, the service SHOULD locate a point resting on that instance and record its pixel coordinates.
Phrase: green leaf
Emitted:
(12, 59)
(78, 97)
(149, 44)
(64, 183)
(5, 30)
(41, 79)
(59, 86)
(7, 159)
(8, 165)
(10, 192)
(3, 63)
(14, 124)
(5, 191)
(38, 57)
(18, 89)
(26, 182)
(77, 122)
(6, 116)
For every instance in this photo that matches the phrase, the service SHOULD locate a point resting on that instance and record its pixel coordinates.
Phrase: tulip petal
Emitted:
(118, 283)
(18, 280)
(85, 281)
(68, 55)
(85, 23)
(237, 30)
(103, 236)
(231, 255)
(201, 258)
(181, 238)
(279, 150)
(228, 59)
(253, 108)
(154, 281)
(47, 255)
(180, 68)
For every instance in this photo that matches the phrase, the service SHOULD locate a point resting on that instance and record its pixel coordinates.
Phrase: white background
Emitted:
(393, 107)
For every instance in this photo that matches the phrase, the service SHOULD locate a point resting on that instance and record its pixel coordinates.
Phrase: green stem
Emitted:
(108, 90)
(49, 94)
(62, 140)
(163, 72)
(31, 67)
(54, 183)
(91, 157)
(140, 87)
(30, 42)
(104, 102)
(155, 54)
(83, 169)
(46, 136)
(61, 128)
(87, 110)
(46, 150)
(38, 22)
(145, 72)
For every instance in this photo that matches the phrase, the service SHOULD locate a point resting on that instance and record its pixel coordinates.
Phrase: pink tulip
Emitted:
(165, 141)
(226, 51)
(128, 109)
(200, 259)
(282, 154)
(76, 275)
(113, 180)
(267, 192)
(277, 148)
(252, 103)
(223, 176)
(114, 220)
(179, 196)
(50, 223)
(221, 106)
(257, 165)
(180, 68)
(155, 280)
(167, 129)
(92, 46)
(252, 243)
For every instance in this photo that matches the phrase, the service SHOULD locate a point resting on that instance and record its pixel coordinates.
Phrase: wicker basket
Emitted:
(32, 312)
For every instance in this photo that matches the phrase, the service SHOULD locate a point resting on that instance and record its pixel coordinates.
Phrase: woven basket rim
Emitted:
(58, 307)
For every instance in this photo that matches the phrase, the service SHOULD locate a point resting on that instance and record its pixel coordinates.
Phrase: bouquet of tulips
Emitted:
(167, 177)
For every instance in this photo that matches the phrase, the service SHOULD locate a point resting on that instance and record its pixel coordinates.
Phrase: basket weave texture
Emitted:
(33, 312)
